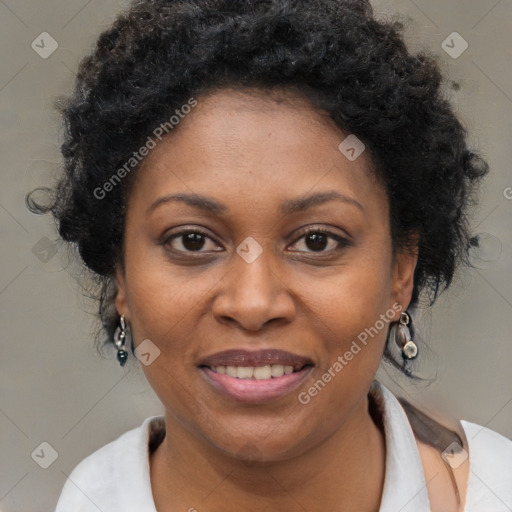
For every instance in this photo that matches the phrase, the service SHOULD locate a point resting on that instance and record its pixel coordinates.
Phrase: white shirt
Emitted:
(116, 477)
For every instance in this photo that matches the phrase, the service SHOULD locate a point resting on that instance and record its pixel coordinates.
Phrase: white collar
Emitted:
(405, 488)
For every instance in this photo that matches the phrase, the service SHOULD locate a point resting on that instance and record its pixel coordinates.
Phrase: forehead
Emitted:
(284, 116)
(236, 142)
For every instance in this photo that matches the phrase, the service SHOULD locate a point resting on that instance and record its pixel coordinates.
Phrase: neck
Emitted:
(345, 472)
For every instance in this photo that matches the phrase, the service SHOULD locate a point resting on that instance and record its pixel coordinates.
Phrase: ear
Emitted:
(121, 302)
(404, 266)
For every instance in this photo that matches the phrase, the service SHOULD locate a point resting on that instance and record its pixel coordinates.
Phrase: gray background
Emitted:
(54, 386)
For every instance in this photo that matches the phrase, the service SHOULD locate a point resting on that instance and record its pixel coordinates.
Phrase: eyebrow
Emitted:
(288, 207)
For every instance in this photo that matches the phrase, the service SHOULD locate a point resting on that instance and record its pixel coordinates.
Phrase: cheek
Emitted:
(352, 298)
(163, 297)
(351, 313)
(353, 325)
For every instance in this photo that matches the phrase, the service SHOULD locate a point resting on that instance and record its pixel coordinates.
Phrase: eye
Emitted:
(191, 240)
(195, 240)
(317, 240)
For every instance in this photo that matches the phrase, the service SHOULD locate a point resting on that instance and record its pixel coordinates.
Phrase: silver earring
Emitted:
(119, 339)
(402, 337)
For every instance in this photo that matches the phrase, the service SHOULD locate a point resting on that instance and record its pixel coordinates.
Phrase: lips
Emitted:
(243, 375)
(241, 357)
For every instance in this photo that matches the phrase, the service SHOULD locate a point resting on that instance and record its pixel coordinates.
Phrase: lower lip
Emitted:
(255, 390)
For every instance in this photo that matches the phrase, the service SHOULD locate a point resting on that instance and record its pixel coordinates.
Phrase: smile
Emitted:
(258, 384)
(264, 372)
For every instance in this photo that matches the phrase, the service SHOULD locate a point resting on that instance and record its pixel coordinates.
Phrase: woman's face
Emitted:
(252, 279)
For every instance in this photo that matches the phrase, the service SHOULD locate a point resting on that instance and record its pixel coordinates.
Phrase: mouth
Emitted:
(255, 377)
(263, 361)
(262, 372)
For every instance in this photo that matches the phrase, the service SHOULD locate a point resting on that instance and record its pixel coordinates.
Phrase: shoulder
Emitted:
(490, 463)
(110, 476)
(481, 471)
(487, 444)
(464, 462)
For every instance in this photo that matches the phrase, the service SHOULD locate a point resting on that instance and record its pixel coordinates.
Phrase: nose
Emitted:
(254, 294)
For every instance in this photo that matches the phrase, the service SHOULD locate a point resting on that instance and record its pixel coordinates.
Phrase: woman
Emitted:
(266, 190)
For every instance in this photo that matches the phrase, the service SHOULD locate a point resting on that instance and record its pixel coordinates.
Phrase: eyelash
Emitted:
(342, 241)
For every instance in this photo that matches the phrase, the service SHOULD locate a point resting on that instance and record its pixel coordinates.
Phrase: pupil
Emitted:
(318, 241)
(193, 241)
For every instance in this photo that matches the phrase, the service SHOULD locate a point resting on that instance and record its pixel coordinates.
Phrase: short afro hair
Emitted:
(160, 53)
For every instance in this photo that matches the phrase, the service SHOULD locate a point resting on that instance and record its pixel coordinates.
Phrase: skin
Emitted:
(251, 152)
(439, 484)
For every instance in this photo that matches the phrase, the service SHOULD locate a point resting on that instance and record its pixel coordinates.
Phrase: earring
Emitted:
(402, 337)
(119, 339)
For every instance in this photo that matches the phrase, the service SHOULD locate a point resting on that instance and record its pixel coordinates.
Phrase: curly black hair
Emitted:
(160, 53)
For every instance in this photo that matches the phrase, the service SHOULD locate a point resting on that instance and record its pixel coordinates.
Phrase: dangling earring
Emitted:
(402, 337)
(119, 339)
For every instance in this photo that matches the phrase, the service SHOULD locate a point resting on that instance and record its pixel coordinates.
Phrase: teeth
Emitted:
(244, 372)
(251, 372)
(231, 371)
(277, 370)
(262, 372)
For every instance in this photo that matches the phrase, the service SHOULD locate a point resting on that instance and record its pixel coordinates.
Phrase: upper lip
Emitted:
(241, 357)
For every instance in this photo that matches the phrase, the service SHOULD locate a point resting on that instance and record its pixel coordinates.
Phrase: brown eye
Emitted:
(189, 241)
(320, 241)
(316, 241)
(193, 241)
